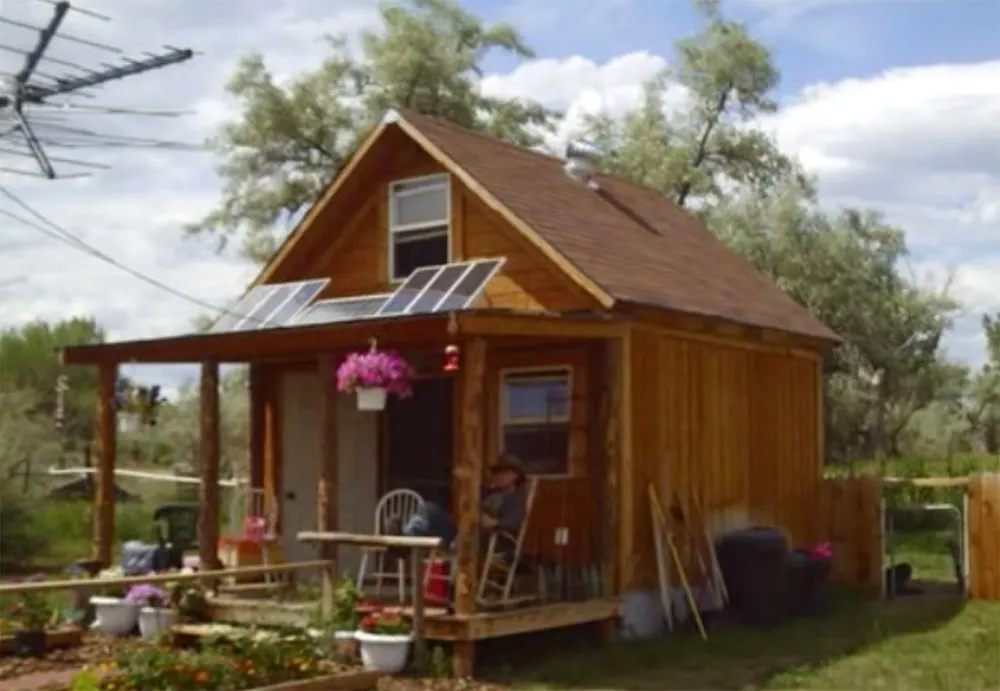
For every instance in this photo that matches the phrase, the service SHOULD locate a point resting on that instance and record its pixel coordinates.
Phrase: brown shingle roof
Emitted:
(632, 241)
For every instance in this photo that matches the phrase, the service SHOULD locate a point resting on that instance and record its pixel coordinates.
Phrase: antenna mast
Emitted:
(31, 111)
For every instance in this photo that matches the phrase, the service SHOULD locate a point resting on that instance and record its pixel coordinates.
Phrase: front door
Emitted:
(419, 441)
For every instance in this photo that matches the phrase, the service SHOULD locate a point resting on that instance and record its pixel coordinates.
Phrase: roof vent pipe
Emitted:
(581, 162)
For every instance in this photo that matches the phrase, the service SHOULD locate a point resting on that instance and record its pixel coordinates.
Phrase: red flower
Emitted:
(367, 622)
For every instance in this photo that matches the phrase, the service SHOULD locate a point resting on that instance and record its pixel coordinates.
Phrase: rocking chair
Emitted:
(502, 560)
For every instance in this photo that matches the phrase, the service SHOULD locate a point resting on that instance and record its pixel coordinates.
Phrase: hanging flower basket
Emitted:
(373, 375)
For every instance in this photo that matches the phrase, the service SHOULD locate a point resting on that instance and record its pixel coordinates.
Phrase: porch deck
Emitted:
(460, 630)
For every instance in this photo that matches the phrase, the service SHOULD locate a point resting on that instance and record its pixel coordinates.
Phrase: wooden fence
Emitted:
(982, 519)
(850, 517)
(850, 511)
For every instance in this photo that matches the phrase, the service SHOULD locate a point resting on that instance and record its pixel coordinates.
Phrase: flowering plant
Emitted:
(381, 369)
(147, 596)
(385, 623)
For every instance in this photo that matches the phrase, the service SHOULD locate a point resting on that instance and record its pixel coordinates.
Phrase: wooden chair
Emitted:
(392, 513)
(503, 558)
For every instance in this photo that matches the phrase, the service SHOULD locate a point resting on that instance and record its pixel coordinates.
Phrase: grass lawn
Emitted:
(906, 645)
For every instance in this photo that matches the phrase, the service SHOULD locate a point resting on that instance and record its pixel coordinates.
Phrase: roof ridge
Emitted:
(405, 112)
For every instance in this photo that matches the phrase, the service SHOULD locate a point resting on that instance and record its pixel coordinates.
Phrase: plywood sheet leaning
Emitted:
(661, 533)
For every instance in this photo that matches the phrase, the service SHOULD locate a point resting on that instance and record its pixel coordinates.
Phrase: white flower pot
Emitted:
(385, 654)
(371, 399)
(114, 616)
(156, 621)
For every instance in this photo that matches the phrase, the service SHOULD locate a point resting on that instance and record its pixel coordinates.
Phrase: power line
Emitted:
(51, 229)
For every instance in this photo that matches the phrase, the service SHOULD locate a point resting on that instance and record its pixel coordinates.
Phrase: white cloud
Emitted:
(921, 143)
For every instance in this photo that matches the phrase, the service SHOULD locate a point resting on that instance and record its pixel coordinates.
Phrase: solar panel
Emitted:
(242, 307)
(305, 294)
(408, 291)
(469, 286)
(257, 319)
(436, 288)
(341, 310)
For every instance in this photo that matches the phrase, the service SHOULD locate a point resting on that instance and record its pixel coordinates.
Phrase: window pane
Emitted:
(543, 449)
(425, 206)
(537, 398)
(410, 255)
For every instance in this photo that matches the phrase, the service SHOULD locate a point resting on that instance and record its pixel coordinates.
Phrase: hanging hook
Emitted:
(452, 325)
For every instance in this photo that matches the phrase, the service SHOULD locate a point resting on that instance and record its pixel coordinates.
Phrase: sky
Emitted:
(891, 104)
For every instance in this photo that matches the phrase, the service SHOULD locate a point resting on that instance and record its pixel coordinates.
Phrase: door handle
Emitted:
(290, 496)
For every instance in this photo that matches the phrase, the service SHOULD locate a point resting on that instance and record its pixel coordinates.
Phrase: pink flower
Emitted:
(375, 369)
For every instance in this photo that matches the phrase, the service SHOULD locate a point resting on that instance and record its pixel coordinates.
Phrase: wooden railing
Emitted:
(212, 577)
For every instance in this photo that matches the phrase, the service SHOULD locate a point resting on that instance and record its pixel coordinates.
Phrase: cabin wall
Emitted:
(731, 426)
(562, 501)
(356, 255)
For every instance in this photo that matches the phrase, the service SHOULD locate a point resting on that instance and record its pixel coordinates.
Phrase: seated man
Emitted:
(502, 506)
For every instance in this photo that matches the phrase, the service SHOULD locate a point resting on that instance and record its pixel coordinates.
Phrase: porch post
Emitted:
(208, 468)
(611, 422)
(104, 495)
(468, 470)
(327, 488)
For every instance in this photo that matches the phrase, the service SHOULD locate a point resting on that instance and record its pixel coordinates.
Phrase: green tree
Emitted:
(29, 361)
(693, 137)
(291, 138)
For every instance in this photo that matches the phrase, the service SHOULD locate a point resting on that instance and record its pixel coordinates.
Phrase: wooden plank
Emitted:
(352, 681)
(541, 618)
(983, 521)
(365, 540)
(107, 432)
(208, 467)
(467, 471)
(68, 637)
(538, 325)
(327, 482)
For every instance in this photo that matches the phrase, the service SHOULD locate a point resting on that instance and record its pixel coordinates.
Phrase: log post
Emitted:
(258, 401)
(611, 414)
(208, 468)
(107, 437)
(327, 487)
(467, 472)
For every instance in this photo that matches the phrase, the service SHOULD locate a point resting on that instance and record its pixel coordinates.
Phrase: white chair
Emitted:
(392, 512)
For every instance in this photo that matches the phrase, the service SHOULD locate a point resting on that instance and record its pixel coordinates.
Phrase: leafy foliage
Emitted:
(291, 138)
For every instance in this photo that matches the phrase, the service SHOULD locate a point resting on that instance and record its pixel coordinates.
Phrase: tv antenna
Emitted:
(36, 100)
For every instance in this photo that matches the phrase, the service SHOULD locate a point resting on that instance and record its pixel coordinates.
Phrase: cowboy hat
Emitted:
(509, 462)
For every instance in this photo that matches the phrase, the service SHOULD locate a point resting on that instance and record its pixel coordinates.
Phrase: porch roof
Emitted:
(300, 341)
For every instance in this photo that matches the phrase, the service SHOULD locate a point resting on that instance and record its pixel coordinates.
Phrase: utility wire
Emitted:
(51, 229)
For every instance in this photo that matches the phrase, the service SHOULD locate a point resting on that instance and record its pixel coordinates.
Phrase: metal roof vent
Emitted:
(581, 162)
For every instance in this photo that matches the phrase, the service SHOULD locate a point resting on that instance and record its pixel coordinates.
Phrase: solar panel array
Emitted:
(269, 306)
(433, 289)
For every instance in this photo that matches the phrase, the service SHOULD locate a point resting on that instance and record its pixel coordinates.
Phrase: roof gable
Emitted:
(622, 242)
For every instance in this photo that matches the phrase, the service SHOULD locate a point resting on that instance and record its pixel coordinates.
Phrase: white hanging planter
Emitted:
(156, 621)
(371, 399)
(381, 653)
(114, 616)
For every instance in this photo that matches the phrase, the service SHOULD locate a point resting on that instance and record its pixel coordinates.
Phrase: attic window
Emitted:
(418, 225)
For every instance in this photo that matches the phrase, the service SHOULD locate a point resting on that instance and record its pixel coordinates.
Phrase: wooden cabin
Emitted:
(671, 360)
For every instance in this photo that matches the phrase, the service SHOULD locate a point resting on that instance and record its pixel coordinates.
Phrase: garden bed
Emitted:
(64, 637)
(91, 649)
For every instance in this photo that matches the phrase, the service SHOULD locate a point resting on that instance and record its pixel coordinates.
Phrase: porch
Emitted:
(317, 463)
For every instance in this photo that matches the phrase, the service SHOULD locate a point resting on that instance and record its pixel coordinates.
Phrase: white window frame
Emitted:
(413, 228)
(564, 372)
